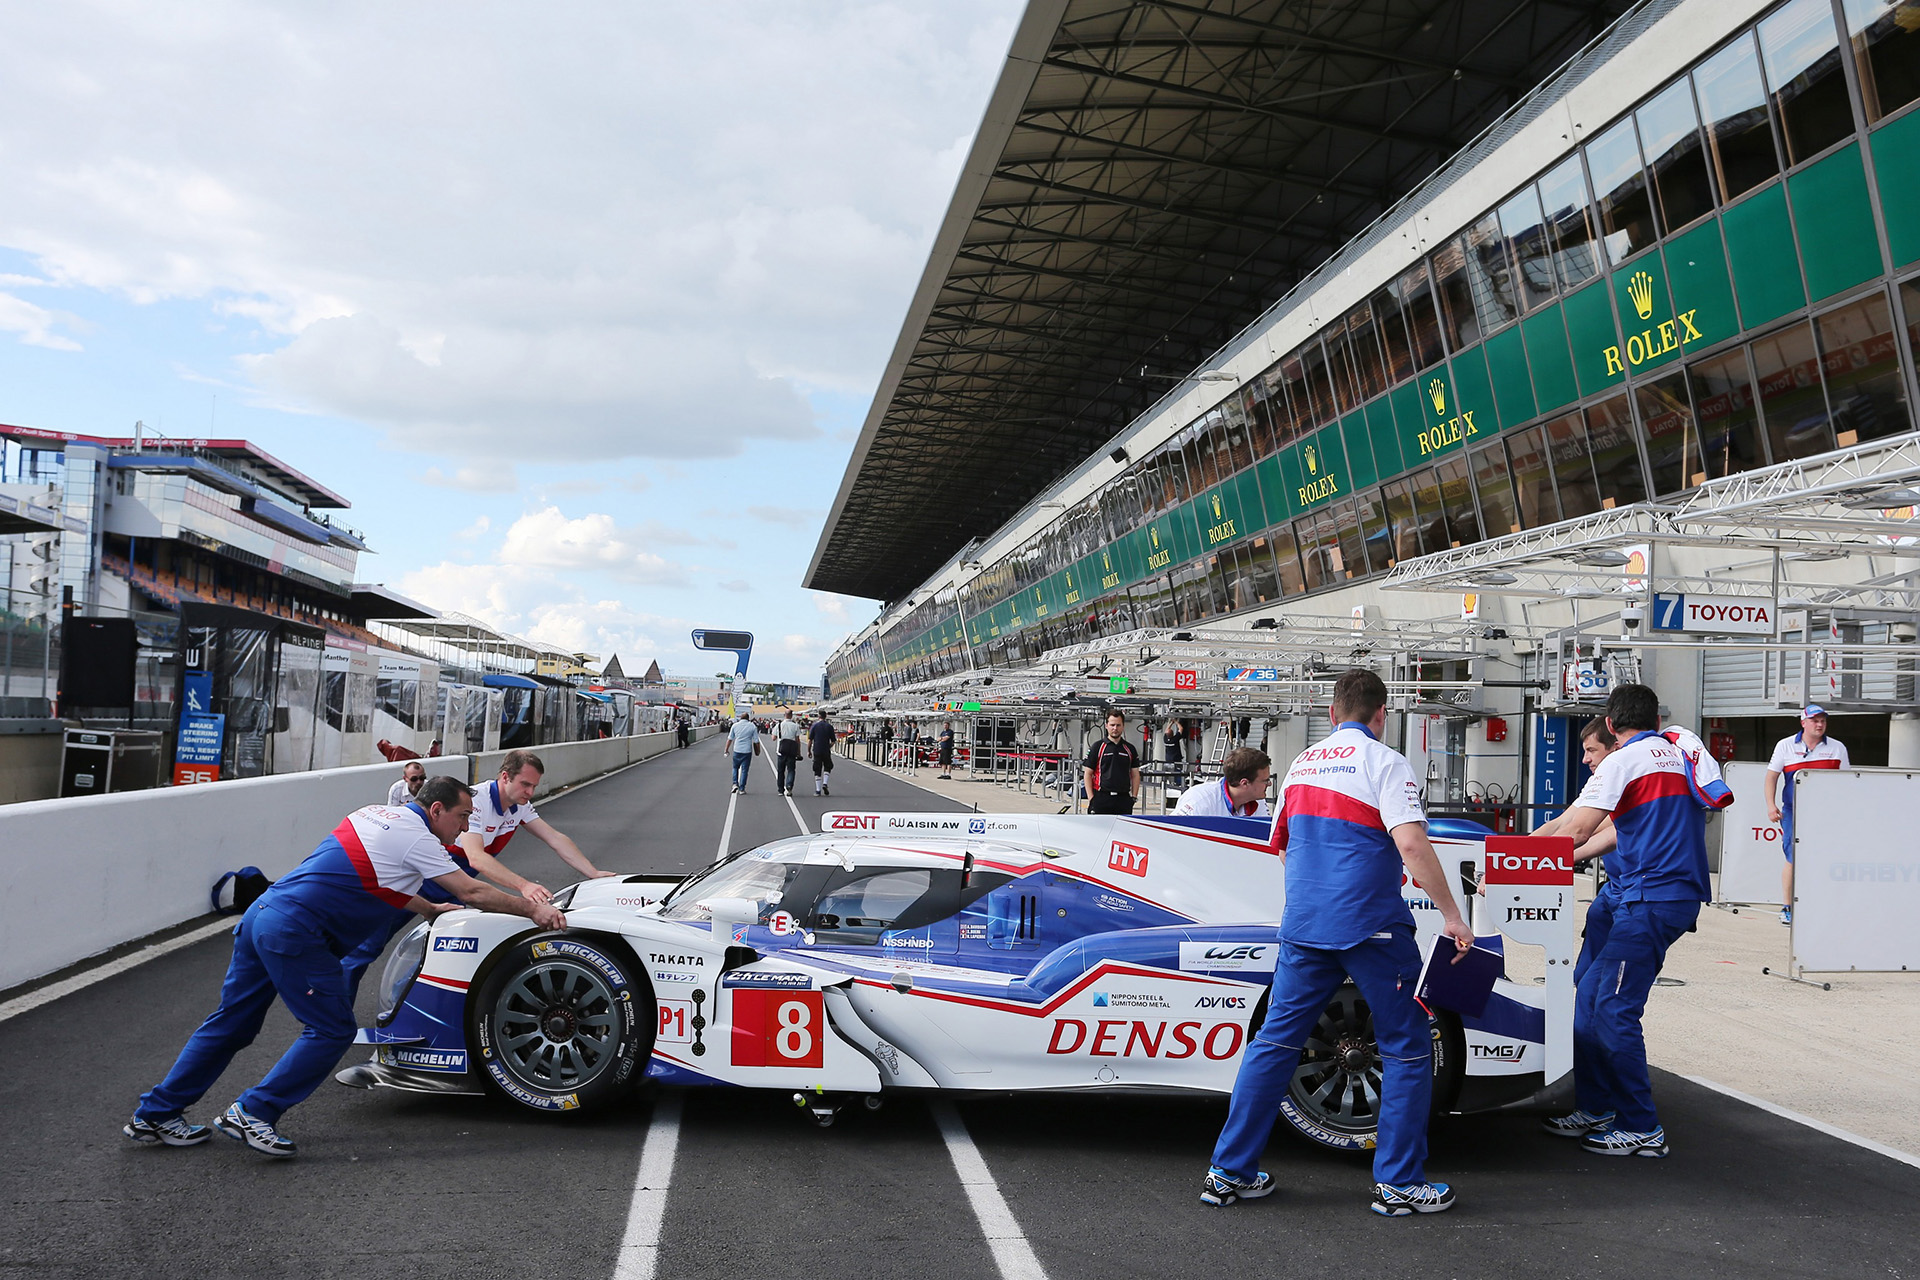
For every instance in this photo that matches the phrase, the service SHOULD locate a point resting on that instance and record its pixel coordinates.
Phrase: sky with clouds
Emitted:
(580, 305)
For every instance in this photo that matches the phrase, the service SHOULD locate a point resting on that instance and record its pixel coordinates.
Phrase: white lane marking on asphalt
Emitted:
(1879, 1148)
(67, 986)
(640, 1247)
(1011, 1252)
(789, 799)
(726, 831)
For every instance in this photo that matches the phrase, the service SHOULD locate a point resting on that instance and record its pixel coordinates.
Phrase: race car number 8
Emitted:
(795, 1038)
(774, 1028)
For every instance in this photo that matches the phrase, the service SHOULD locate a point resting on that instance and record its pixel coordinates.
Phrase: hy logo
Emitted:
(1437, 393)
(1313, 460)
(1640, 289)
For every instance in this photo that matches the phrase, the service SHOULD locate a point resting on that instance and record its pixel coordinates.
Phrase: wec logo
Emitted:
(1130, 858)
(855, 822)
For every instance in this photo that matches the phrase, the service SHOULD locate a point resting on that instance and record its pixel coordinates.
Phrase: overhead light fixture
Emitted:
(1119, 456)
(1901, 496)
(1581, 591)
(1816, 555)
(1601, 558)
(1265, 624)
(1181, 637)
(1494, 578)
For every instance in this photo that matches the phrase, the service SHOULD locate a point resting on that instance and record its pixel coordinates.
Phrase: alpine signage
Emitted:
(1719, 615)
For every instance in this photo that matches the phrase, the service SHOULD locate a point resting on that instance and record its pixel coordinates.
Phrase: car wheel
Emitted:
(1334, 1098)
(563, 1023)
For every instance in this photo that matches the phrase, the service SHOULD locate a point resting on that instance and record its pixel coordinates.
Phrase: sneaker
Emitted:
(237, 1124)
(826, 791)
(1221, 1190)
(1421, 1197)
(1786, 915)
(1622, 1142)
(174, 1131)
(1577, 1125)
(733, 791)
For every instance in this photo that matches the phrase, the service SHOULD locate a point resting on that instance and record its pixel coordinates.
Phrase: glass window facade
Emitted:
(1705, 286)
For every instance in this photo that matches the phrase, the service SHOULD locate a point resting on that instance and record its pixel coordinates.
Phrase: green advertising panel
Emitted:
(1647, 314)
(1246, 487)
(1359, 445)
(1765, 264)
(1275, 505)
(1512, 385)
(1222, 520)
(1595, 341)
(1159, 545)
(1702, 290)
(1549, 359)
(1292, 480)
(1473, 398)
(1838, 243)
(1434, 418)
(1896, 170)
(1324, 476)
(1386, 442)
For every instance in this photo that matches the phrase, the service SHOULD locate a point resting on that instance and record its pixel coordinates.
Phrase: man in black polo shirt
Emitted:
(1111, 771)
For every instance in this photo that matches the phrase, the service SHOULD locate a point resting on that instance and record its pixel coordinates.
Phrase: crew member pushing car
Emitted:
(1350, 819)
(289, 943)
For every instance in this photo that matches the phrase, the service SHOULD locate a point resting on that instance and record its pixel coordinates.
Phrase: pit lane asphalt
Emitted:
(391, 1184)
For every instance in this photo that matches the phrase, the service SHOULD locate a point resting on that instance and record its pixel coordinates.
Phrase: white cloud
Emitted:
(487, 479)
(596, 230)
(547, 539)
(791, 517)
(474, 530)
(833, 606)
(33, 324)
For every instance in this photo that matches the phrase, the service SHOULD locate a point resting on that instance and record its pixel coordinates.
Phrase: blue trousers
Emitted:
(742, 762)
(1621, 960)
(273, 955)
(1304, 979)
(1599, 926)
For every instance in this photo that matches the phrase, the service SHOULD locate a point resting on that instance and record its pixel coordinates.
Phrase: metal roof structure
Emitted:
(1150, 176)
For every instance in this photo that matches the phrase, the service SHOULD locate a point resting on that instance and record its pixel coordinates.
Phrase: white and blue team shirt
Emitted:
(375, 860)
(495, 822)
(1791, 755)
(1338, 803)
(1212, 801)
(1657, 795)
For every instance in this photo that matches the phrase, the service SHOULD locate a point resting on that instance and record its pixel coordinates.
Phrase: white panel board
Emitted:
(1750, 852)
(1856, 883)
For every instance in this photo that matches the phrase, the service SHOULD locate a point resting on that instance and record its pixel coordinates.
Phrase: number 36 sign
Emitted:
(777, 1028)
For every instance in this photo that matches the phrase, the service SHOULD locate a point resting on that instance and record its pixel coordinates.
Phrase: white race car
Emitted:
(955, 952)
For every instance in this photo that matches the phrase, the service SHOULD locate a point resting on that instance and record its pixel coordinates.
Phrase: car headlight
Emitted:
(564, 899)
(409, 956)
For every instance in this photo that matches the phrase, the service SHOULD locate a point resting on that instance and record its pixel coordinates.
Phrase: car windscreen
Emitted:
(746, 877)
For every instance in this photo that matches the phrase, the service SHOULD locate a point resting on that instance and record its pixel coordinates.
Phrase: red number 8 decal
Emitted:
(774, 1028)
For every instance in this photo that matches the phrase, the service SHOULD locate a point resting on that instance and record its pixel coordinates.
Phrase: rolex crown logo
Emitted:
(1217, 513)
(1640, 289)
(1437, 392)
(1155, 535)
(1313, 461)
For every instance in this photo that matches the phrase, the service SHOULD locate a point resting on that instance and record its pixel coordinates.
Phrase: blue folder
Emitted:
(1462, 987)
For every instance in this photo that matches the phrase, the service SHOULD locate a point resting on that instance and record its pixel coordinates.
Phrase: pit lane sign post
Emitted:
(739, 643)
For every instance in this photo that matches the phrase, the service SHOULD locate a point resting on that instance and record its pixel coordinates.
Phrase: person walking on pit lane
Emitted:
(289, 944)
(1242, 793)
(1810, 748)
(412, 776)
(742, 745)
(1651, 786)
(1350, 820)
(820, 737)
(1111, 771)
(786, 757)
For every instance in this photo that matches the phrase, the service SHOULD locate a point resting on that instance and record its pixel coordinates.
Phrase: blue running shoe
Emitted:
(1421, 1197)
(243, 1126)
(1786, 915)
(174, 1131)
(1221, 1190)
(1623, 1142)
(1578, 1124)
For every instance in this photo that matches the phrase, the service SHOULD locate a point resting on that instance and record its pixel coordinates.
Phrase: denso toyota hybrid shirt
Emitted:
(375, 860)
(494, 823)
(1341, 798)
(1650, 788)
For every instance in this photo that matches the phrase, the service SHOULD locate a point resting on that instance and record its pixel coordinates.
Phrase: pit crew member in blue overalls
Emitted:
(500, 808)
(1350, 819)
(1810, 748)
(289, 944)
(1657, 792)
(1241, 793)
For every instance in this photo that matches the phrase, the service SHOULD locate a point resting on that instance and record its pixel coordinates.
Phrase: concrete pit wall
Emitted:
(79, 876)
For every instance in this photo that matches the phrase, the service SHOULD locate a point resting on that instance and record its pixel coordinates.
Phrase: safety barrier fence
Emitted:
(80, 876)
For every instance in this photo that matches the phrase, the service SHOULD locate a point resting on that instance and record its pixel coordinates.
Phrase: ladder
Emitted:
(1221, 742)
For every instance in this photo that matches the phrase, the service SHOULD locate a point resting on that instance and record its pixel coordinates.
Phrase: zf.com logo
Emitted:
(456, 944)
(976, 826)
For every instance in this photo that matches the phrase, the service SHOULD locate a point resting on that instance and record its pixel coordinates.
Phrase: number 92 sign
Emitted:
(777, 1028)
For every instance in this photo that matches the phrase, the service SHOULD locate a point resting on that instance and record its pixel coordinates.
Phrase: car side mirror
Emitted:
(732, 910)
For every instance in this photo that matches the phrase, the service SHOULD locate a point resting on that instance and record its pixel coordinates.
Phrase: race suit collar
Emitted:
(494, 788)
(1354, 724)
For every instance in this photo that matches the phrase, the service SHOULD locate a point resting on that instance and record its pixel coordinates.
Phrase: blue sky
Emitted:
(582, 314)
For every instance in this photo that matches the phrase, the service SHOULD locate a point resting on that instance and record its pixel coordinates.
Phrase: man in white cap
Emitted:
(1810, 748)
